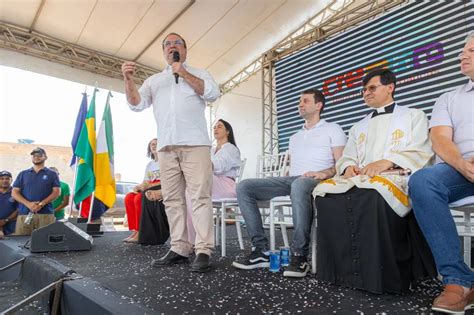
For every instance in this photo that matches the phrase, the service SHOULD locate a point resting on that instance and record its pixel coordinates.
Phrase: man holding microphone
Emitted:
(178, 95)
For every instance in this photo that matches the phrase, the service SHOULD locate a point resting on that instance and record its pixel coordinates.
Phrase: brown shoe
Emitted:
(453, 300)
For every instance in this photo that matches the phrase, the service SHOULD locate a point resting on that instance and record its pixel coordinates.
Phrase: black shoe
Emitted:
(256, 259)
(298, 267)
(201, 263)
(169, 259)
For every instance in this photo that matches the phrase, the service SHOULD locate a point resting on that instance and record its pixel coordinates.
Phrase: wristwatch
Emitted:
(41, 204)
(6, 220)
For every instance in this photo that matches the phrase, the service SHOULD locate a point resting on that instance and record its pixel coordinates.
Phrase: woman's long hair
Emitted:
(228, 128)
(150, 153)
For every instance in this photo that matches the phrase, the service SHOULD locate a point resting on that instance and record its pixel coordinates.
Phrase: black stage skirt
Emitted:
(362, 243)
(154, 228)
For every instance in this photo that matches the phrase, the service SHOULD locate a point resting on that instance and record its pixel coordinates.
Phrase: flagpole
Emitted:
(73, 190)
(90, 210)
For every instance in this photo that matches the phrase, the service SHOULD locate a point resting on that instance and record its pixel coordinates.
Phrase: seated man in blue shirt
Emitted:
(34, 189)
(8, 205)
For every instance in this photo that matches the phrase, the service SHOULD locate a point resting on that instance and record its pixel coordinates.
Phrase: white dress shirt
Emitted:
(226, 161)
(178, 109)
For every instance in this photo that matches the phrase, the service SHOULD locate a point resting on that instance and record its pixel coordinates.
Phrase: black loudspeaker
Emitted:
(89, 228)
(59, 237)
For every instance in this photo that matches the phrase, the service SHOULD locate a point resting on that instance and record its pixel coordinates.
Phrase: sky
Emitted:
(44, 108)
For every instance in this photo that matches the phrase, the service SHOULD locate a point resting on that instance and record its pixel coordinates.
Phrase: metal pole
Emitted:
(90, 209)
(73, 190)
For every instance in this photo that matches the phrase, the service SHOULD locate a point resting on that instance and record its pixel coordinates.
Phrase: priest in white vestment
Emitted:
(367, 236)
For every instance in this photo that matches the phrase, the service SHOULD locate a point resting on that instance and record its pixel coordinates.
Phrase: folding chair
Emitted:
(466, 225)
(275, 166)
(220, 206)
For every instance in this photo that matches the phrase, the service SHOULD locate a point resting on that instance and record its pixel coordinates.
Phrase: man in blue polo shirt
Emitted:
(8, 205)
(34, 189)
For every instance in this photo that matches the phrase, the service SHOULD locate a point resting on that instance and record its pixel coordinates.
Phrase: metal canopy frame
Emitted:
(35, 44)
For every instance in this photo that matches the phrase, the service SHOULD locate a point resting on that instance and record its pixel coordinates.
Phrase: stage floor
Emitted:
(125, 269)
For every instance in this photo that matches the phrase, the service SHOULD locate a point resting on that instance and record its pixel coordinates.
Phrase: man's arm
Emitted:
(329, 172)
(131, 91)
(196, 83)
(53, 195)
(446, 149)
(63, 204)
(16, 194)
(11, 217)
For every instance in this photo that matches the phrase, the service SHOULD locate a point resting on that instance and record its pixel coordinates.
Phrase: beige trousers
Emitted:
(39, 220)
(188, 168)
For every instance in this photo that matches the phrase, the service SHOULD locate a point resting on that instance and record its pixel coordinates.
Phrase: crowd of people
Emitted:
(381, 201)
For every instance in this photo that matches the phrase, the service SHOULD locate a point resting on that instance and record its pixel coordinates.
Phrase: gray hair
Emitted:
(470, 36)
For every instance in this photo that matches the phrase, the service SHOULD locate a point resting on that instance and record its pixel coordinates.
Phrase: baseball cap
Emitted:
(5, 173)
(38, 150)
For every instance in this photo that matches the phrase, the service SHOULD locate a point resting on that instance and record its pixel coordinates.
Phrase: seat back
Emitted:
(240, 171)
(272, 165)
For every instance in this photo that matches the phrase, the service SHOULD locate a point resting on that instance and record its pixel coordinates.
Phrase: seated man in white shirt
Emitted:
(451, 179)
(313, 151)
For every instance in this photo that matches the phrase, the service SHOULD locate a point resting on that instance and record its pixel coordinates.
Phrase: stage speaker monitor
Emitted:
(59, 237)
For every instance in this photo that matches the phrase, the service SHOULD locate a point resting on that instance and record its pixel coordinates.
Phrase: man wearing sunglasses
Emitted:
(451, 179)
(367, 236)
(178, 96)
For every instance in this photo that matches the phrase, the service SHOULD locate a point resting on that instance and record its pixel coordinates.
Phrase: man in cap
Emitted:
(34, 189)
(8, 205)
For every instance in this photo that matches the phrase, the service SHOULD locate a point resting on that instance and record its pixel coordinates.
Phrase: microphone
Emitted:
(176, 59)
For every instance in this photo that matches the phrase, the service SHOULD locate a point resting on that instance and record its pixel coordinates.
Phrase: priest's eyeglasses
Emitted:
(370, 88)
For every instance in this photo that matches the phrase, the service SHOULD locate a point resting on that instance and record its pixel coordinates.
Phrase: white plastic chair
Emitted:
(274, 166)
(465, 226)
(220, 205)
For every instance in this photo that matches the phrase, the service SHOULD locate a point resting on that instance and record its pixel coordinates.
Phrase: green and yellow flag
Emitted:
(85, 150)
(104, 161)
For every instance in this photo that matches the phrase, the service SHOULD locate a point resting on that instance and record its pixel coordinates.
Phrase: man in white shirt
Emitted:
(452, 179)
(313, 151)
(178, 95)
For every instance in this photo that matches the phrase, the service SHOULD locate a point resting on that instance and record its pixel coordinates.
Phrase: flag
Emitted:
(104, 159)
(85, 150)
(81, 116)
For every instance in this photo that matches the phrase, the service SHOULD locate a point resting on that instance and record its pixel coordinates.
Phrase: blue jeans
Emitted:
(250, 191)
(431, 190)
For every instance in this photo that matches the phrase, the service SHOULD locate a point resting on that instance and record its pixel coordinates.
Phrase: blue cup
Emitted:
(275, 261)
(284, 256)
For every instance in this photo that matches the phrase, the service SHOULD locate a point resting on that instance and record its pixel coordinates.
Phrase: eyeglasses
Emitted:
(371, 89)
(177, 42)
(470, 51)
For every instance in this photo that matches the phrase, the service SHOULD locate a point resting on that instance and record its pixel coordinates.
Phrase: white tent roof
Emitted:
(223, 36)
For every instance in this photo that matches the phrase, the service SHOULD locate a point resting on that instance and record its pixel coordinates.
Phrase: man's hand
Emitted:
(466, 168)
(128, 70)
(375, 168)
(351, 171)
(315, 175)
(177, 67)
(34, 206)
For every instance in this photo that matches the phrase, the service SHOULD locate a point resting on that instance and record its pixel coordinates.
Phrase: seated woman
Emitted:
(133, 200)
(226, 162)
(154, 228)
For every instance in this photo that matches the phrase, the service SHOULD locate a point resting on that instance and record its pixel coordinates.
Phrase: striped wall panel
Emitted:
(420, 42)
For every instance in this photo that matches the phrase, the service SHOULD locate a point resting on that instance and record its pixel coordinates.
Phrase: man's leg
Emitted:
(21, 227)
(197, 169)
(302, 210)
(431, 190)
(249, 192)
(173, 188)
(41, 220)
